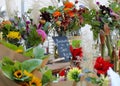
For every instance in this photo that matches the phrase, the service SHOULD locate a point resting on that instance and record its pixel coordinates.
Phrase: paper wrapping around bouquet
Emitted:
(4, 51)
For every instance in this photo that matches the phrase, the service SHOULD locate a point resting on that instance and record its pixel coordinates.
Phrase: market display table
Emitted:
(56, 67)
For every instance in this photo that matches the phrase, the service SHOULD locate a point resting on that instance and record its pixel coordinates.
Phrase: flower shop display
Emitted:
(23, 36)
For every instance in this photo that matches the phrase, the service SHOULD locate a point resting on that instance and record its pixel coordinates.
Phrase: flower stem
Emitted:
(74, 83)
(109, 46)
(102, 50)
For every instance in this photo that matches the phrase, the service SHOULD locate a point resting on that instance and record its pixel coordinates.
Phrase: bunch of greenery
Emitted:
(20, 72)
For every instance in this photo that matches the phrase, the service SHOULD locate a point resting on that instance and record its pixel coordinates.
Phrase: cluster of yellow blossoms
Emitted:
(14, 35)
(34, 81)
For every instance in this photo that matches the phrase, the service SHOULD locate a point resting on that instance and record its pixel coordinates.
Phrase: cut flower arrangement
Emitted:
(66, 18)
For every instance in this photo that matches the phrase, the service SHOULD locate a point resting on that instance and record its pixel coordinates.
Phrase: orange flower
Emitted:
(56, 14)
(68, 4)
(6, 22)
(71, 13)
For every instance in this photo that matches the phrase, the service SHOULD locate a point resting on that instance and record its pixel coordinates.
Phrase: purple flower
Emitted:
(98, 3)
(27, 22)
(42, 33)
(39, 26)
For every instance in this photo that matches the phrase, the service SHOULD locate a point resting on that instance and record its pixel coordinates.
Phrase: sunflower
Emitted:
(28, 74)
(73, 74)
(35, 82)
(18, 74)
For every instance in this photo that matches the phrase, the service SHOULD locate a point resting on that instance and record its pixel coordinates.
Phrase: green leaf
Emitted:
(50, 11)
(118, 43)
(17, 66)
(8, 26)
(28, 53)
(10, 46)
(8, 71)
(76, 43)
(46, 26)
(23, 79)
(7, 61)
(38, 52)
(47, 77)
(0, 64)
(31, 64)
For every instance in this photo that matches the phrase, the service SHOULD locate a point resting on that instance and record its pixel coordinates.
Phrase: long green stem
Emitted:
(109, 46)
(102, 50)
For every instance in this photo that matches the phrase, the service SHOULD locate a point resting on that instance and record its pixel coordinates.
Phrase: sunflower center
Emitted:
(33, 84)
(19, 74)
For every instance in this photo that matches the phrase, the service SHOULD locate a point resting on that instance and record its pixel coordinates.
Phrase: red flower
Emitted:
(102, 66)
(76, 52)
(62, 72)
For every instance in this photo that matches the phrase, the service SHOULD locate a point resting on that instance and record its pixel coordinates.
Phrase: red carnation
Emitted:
(62, 72)
(102, 66)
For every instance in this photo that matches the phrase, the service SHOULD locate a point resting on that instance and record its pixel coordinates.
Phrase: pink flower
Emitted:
(42, 33)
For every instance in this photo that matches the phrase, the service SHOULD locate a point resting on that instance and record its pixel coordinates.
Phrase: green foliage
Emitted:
(7, 61)
(90, 18)
(38, 52)
(28, 53)
(31, 64)
(118, 43)
(115, 7)
(47, 76)
(46, 26)
(76, 43)
(49, 9)
(33, 39)
(8, 71)
(11, 46)
(9, 67)
(0, 65)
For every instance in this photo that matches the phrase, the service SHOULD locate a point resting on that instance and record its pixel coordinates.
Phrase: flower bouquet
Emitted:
(63, 19)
